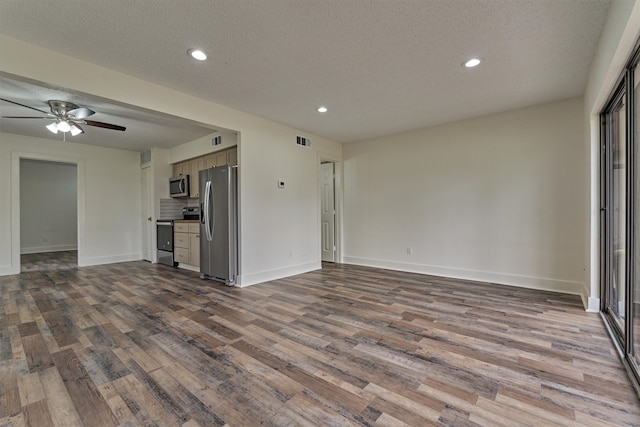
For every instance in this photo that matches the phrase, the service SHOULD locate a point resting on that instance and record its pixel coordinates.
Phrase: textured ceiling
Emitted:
(380, 67)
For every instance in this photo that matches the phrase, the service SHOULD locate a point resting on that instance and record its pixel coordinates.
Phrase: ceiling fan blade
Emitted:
(22, 105)
(81, 113)
(103, 125)
(24, 117)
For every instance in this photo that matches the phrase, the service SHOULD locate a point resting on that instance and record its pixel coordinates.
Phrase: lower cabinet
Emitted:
(186, 243)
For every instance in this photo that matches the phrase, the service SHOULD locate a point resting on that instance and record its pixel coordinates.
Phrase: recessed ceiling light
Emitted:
(473, 62)
(197, 54)
(322, 109)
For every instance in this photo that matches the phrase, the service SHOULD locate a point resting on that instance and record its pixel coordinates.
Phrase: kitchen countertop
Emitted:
(192, 221)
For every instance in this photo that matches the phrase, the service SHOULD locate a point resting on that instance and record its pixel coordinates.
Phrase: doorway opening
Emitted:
(48, 215)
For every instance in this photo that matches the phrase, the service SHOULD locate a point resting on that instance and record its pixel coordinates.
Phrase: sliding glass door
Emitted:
(620, 221)
(615, 297)
(634, 304)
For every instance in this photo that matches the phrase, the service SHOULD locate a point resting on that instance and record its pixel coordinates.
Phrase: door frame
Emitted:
(608, 171)
(147, 203)
(338, 194)
(16, 156)
(622, 335)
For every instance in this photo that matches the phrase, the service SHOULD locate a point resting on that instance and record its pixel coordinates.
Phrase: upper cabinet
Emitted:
(232, 156)
(194, 166)
(218, 158)
(181, 169)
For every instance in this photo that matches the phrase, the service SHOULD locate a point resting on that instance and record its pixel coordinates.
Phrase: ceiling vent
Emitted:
(145, 157)
(301, 140)
(216, 140)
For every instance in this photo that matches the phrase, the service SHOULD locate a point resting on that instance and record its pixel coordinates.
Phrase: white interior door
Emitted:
(328, 214)
(147, 215)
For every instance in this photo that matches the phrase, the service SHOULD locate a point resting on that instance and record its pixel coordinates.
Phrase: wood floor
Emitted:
(140, 344)
(62, 260)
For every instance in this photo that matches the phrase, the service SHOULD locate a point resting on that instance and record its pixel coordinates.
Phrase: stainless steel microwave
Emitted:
(179, 186)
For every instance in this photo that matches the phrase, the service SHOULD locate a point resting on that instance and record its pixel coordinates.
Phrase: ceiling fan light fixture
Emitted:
(63, 126)
(75, 129)
(53, 127)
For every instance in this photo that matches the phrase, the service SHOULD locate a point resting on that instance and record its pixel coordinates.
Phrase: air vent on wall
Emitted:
(145, 157)
(301, 140)
(216, 140)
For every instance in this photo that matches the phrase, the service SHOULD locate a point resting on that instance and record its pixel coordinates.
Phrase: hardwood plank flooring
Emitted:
(141, 344)
(62, 260)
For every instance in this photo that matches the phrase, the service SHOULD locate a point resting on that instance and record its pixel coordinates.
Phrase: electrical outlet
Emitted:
(409, 250)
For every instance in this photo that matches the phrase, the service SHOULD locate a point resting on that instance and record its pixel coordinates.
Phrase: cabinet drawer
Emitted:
(180, 227)
(194, 228)
(181, 255)
(180, 240)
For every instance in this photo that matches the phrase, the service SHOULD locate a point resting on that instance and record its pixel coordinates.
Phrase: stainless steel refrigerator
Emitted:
(219, 224)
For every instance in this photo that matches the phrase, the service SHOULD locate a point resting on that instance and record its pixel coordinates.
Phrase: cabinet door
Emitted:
(209, 160)
(194, 249)
(177, 169)
(232, 156)
(196, 165)
(221, 158)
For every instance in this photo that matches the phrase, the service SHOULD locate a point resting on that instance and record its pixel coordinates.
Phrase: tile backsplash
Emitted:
(172, 208)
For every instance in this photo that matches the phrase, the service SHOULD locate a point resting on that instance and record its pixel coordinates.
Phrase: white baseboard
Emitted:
(9, 270)
(591, 304)
(279, 273)
(49, 248)
(530, 282)
(84, 261)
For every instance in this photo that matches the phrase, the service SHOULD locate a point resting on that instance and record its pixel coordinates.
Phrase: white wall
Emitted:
(279, 229)
(48, 206)
(109, 201)
(495, 198)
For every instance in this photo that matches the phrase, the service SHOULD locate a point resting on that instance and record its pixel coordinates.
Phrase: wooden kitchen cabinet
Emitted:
(181, 169)
(209, 160)
(186, 243)
(195, 165)
(221, 158)
(194, 244)
(232, 156)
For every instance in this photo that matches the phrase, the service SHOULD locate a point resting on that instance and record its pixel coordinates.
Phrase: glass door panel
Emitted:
(616, 298)
(635, 289)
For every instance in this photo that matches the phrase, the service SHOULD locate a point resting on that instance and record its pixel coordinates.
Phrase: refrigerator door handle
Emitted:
(207, 208)
(212, 200)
